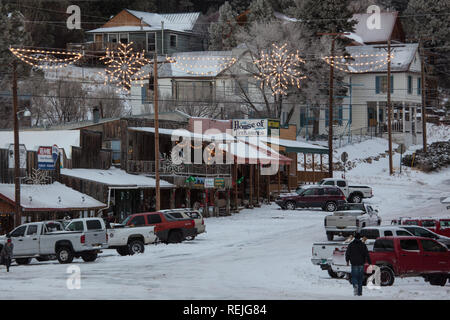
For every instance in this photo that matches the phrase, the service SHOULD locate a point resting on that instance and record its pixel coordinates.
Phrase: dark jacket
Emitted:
(7, 250)
(357, 253)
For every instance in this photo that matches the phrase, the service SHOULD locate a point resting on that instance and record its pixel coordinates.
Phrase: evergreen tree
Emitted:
(394, 5)
(240, 6)
(222, 34)
(325, 15)
(261, 10)
(429, 20)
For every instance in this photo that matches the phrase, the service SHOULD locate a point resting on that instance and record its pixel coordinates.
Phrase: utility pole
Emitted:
(18, 213)
(391, 165)
(155, 107)
(424, 100)
(389, 105)
(330, 105)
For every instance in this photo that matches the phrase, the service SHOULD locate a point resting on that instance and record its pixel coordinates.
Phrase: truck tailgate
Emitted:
(341, 221)
(95, 237)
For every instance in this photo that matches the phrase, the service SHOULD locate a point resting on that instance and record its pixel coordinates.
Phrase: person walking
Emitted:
(357, 254)
(7, 253)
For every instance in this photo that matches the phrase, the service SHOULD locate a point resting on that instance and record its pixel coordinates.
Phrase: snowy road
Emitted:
(257, 254)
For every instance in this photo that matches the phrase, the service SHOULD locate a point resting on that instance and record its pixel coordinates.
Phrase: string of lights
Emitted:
(45, 59)
(279, 68)
(341, 63)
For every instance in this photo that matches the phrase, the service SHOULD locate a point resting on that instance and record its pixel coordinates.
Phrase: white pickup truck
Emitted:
(350, 218)
(322, 252)
(129, 240)
(353, 194)
(83, 237)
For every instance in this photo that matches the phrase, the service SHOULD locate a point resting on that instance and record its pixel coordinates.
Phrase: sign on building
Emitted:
(47, 157)
(219, 183)
(256, 127)
(22, 156)
(209, 183)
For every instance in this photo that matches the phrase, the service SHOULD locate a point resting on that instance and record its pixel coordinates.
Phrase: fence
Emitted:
(358, 135)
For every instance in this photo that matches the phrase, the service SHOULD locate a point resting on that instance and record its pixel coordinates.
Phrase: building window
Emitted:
(419, 86)
(124, 38)
(112, 37)
(381, 84)
(410, 85)
(173, 40)
(151, 42)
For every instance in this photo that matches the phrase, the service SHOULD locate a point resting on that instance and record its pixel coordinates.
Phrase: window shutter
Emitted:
(144, 94)
(377, 84)
(419, 86)
(392, 84)
(340, 115)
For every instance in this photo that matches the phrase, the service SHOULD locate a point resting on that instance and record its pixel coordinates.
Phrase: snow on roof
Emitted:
(115, 178)
(403, 56)
(183, 22)
(355, 37)
(387, 24)
(197, 64)
(32, 139)
(293, 144)
(187, 134)
(55, 196)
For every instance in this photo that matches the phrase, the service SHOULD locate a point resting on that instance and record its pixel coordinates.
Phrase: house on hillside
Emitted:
(153, 32)
(216, 80)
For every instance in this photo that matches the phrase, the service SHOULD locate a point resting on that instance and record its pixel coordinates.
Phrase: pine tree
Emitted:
(222, 34)
(240, 6)
(325, 15)
(260, 10)
(429, 20)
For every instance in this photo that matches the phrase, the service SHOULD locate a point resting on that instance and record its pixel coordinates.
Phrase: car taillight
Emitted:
(192, 223)
(83, 239)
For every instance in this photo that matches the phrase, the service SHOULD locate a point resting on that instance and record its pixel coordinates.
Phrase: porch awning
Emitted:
(246, 153)
(49, 197)
(295, 146)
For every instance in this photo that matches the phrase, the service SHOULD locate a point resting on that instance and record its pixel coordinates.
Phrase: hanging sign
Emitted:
(209, 183)
(249, 127)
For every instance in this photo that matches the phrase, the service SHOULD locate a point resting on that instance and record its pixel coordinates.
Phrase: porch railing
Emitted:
(168, 168)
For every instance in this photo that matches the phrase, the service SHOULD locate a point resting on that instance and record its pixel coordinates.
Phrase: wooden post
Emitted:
(424, 101)
(391, 166)
(235, 187)
(18, 211)
(321, 163)
(228, 202)
(313, 168)
(172, 198)
(258, 177)
(279, 180)
(250, 187)
(155, 105)
(188, 197)
(289, 177)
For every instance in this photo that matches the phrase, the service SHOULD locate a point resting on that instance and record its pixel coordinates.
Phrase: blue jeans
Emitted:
(357, 279)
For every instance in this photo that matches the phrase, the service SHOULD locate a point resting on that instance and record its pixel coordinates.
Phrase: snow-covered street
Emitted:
(257, 254)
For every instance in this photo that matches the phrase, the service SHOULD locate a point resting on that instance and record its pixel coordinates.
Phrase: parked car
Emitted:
(347, 222)
(322, 252)
(312, 196)
(130, 240)
(353, 194)
(83, 237)
(185, 213)
(424, 232)
(167, 228)
(404, 257)
(438, 225)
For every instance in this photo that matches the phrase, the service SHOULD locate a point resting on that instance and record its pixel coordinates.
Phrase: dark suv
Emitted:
(312, 196)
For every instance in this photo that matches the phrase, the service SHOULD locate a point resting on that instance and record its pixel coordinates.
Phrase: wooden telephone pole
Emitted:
(18, 211)
(330, 104)
(156, 111)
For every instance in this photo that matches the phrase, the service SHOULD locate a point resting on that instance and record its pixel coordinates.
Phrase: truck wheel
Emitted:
(23, 260)
(123, 251)
(331, 206)
(386, 276)
(136, 246)
(64, 255)
(290, 205)
(356, 198)
(438, 280)
(175, 236)
(89, 256)
(330, 236)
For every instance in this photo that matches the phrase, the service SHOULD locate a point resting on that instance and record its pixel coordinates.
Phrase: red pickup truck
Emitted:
(167, 229)
(438, 225)
(411, 256)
